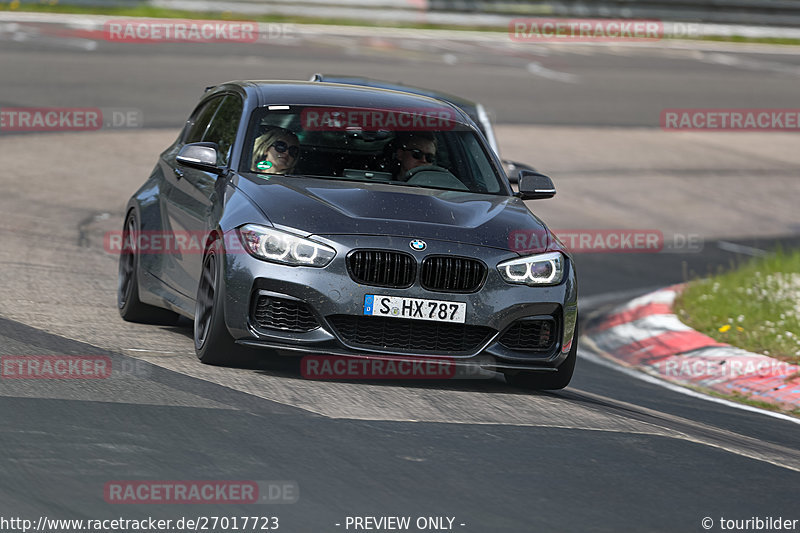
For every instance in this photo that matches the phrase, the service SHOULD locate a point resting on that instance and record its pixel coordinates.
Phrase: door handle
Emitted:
(178, 173)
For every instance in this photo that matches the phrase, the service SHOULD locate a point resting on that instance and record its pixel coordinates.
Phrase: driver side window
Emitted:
(222, 129)
(198, 123)
(216, 121)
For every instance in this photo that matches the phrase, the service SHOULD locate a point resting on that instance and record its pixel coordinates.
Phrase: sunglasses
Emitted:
(418, 154)
(281, 147)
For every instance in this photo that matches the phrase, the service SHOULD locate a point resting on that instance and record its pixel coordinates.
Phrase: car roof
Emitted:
(277, 92)
(467, 105)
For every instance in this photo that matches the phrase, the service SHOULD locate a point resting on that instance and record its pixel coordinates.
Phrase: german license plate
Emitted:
(415, 308)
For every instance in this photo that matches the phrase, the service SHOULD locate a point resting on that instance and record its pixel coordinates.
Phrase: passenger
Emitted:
(276, 151)
(414, 150)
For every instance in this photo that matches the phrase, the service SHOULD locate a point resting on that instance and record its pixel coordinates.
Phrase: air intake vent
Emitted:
(282, 313)
(400, 334)
(530, 335)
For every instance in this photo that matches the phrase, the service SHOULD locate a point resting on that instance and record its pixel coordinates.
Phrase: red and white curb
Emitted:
(647, 335)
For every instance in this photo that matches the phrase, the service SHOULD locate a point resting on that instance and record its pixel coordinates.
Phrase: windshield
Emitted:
(405, 147)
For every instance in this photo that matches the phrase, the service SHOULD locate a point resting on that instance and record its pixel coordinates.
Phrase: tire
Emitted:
(212, 341)
(551, 380)
(130, 307)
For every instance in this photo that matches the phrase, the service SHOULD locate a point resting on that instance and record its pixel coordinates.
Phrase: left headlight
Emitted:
(541, 269)
(278, 246)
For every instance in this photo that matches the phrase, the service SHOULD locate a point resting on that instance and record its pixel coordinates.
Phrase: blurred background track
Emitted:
(610, 453)
(775, 13)
(604, 85)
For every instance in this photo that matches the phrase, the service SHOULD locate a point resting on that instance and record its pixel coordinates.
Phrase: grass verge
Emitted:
(165, 13)
(755, 307)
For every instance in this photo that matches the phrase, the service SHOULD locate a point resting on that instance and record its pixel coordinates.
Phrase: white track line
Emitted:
(538, 69)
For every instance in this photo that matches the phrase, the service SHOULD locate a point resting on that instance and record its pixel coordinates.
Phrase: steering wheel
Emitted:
(423, 168)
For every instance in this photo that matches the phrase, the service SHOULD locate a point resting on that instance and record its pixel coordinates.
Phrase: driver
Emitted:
(276, 151)
(414, 150)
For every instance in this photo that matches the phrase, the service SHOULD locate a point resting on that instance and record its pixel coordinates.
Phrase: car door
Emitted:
(193, 196)
(173, 220)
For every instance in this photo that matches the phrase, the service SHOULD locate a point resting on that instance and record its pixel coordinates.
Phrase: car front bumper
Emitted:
(330, 292)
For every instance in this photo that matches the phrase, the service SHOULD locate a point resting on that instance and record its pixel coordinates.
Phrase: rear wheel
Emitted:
(212, 342)
(549, 380)
(130, 307)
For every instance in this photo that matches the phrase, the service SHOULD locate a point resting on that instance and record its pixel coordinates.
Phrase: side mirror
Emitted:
(201, 156)
(512, 169)
(535, 186)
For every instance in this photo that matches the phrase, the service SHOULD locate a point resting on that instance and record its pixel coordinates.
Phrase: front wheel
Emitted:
(212, 341)
(550, 380)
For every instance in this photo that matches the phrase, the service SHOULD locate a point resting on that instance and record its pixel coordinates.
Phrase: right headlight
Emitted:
(270, 244)
(535, 270)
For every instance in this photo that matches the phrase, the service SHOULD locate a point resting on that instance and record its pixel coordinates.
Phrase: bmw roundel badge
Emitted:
(418, 245)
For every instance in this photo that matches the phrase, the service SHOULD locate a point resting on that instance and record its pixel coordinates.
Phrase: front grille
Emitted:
(382, 268)
(409, 335)
(452, 274)
(282, 313)
(530, 335)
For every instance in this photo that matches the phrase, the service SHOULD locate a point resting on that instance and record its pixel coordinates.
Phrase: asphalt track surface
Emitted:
(609, 453)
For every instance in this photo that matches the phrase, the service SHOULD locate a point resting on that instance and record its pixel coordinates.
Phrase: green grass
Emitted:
(742, 39)
(52, 6)
(755, 307)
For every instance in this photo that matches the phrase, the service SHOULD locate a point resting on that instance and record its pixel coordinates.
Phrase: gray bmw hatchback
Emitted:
(314, 218)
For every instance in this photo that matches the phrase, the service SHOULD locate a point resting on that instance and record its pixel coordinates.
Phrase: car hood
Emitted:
(327, 207)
